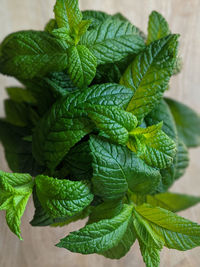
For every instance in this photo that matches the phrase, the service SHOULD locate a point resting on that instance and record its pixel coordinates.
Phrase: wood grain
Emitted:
(38, 248)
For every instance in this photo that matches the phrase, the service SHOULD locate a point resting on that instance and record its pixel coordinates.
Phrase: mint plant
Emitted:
(90, 135)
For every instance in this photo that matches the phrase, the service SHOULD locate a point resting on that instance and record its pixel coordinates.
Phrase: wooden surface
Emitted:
(37, 249)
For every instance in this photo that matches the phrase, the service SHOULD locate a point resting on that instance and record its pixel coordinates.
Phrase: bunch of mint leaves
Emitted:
(89, 133)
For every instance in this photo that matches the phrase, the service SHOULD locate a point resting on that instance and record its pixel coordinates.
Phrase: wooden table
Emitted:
(37, 249)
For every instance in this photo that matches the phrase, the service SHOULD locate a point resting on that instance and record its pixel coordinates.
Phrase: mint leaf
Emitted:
(123, 247)
(67, 14)
(113, 122)
(111, 42)
(100, 236)
(29, 54)
(175, 231)
(96, 17)
(15, 190)
(157, 27)
(172, 201)
(18, 152)
(18, 94)
(162, 113)
(79, 162)
(67, 122)
(149, 74)
(150, 243)
(182, 161)
(187, 122)
(153, 146)
(62, 198)
(60, 83)
(50, 26)
(115, 168)
(82, 65)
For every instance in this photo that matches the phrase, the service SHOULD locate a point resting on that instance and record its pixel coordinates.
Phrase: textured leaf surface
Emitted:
(27, 54)
(82, 65)
(114, 122)
(175, 231)
(123, 247)
(115, 168)
(100, 236)
(67, 13)
(67, 123)
(62, 198)
(18, 94)
(187, 122)
(157, 27)
(149, 74)
(153, 146)
(182, 161)
(15, 190)
(111, 42)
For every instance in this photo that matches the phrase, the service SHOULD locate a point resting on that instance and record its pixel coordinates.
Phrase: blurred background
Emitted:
(38, 248)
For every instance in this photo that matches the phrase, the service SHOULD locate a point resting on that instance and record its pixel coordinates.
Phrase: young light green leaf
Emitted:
(15, 190)
(100, 236)
(150, 254)
(149, 74)
(157, 27)
(67, 14)
(62, 198)
(29, 54)
(67, 122)
(153, 146)
(82, 65)
(123, 247)
(50, 26)
(111, 42)
(115, 168)
(114, 122)
(63, 34)
(187, 122)
(175, 231)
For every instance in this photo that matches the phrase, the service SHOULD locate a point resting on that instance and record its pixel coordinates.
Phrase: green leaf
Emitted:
(153, 146)
(67, 14)
(29, 54)
(82, 65)
(105, 210)
(157, 28)
(149, 74)
(114, 122)
(187, 122)
(172, 201)
(63, 34)
(15, 190)
(182, 161)
(67, 123)
(18, 94)
(99, 237)
(96, 17)
(123, 247)
(18, 152)
(111, 42)
(162, 113)
(115, 168)
(175, 231)
(50, 26)
(62, 198)
(150, 254)
(79, 161)
(60, 83)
